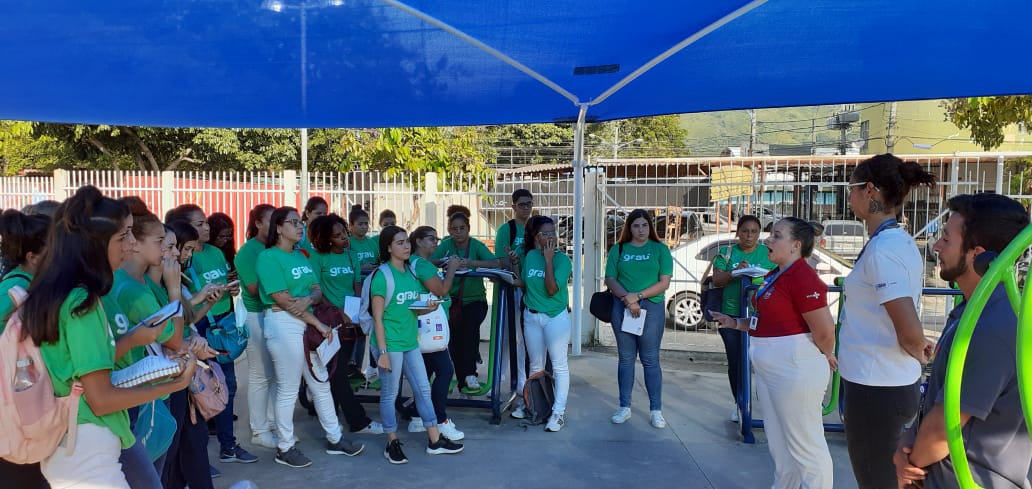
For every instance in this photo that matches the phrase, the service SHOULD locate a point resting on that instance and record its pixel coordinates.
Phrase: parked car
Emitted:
(684, 307)
(844, 237)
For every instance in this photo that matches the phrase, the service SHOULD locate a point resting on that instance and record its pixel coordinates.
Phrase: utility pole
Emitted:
(752, 131)
(890, 133)
(813, 132)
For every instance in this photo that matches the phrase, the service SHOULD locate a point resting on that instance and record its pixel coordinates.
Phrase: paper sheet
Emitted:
(633, 325)
(328, 348)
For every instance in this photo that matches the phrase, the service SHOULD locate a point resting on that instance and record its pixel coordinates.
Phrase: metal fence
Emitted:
(679, 191)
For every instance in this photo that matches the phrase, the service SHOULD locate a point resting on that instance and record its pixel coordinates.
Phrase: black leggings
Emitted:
(874, 419)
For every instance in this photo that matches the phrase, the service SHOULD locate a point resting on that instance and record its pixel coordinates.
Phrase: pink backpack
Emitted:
(33, 421)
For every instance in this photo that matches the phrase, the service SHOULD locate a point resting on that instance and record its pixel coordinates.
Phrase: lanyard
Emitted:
(887, 224)
(769, 281)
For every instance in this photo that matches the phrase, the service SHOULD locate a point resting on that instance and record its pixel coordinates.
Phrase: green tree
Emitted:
(21, 150)
(986, 117)
(661, 136)
(529, 144)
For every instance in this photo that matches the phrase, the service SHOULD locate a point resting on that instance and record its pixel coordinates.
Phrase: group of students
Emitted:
(100, 266)
(895, 429)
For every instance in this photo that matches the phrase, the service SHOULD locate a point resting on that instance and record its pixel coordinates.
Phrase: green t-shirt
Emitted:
(14, 277)
(209, 266)
(366, 250)
(338, 273)
(502, 241)
(129, 303)
(536, 296)
(281, 271)
(474, 290)
(640, 266)
(733, 289)
(399, 322)
(246, 262)
(94, 350)
(425, 269)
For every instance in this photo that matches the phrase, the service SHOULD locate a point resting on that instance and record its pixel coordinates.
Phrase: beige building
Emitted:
(921, 128)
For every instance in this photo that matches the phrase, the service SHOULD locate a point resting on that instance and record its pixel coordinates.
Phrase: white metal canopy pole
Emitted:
(578, 228)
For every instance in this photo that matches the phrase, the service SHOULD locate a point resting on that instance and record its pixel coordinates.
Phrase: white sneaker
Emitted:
(734, 414)
(621, 415)
(448, 429)
(266, 439)
(555, 422)
(416, 425)
(370, 373)
(657, 420)
(472, 383)
(374, 428)
(518, 413)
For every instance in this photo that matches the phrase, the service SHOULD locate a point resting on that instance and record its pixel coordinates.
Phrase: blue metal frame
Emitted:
(744, 397)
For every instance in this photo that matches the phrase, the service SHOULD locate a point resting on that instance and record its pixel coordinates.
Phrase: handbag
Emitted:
(601, 306)
(434, 333)
(711, 296)
(312, 339)
(226, 336)
(333, 317)
(155, 428)
(209, 393)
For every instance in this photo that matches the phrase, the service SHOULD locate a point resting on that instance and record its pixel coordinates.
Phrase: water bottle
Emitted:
(25, 375)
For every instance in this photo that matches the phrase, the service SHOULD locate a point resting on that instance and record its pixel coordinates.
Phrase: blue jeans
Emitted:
(439, 365)
(411, 363)
(137, 467)
(186, 462)
(646, 347)
(224, 420)
(733, 340)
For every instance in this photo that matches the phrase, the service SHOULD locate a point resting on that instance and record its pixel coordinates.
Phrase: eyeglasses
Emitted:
(525, 205)
(547, 233)
(296, 222)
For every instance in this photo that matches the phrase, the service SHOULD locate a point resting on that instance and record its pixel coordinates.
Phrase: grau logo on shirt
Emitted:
(362, 255)
(518, 241)
(630, 257)
(338, 271)
(297, 272)
(213, 275)
(403, 297)
(532, 273)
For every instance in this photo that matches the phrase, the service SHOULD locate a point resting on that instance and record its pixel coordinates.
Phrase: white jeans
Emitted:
(284, 337)
(261, 385)
(791, 376)
(552, 336)
(92, 465)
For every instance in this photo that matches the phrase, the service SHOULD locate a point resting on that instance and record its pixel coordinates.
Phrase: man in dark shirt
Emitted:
(995, 436)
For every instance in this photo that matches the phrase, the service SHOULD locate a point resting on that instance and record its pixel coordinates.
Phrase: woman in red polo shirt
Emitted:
(793, 346)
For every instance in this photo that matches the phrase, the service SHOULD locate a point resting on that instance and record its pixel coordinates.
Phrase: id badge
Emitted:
(753, 321)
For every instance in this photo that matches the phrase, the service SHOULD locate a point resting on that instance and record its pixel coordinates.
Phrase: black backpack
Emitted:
(538, 396)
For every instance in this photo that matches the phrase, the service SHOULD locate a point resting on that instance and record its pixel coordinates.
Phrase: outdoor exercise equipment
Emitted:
(1000, 271)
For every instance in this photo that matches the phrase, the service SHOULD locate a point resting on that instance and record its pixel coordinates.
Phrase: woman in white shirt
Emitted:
(881, 343)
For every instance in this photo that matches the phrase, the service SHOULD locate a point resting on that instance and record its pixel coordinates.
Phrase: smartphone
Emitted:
(158, 319)
(233, 283)
(220, 352)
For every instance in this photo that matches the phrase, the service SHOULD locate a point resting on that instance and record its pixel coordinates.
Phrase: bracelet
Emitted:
(383, 351)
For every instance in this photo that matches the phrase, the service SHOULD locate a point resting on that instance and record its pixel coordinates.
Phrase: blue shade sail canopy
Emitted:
(374, 63)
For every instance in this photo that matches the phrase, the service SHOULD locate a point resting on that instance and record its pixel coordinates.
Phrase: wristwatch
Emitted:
(383, 351)
(640, 297)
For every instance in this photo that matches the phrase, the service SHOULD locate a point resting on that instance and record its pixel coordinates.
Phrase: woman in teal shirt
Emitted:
(464, 345)
(748, 252)
(24, 238)
(638, 271)
(438, 364)
(91, 238)
(396, 344)
(288, 286)
(339, 276)
(544, 274)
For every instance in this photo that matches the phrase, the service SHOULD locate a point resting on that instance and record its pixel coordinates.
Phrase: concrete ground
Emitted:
(698, 449)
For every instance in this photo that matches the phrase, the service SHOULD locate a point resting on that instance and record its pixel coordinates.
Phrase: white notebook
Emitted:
(151, 368)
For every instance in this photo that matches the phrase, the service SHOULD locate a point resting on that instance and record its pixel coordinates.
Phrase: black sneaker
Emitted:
(443, 446)
(236, 454)
(393, 453)
(344, 447)
(292, 458)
